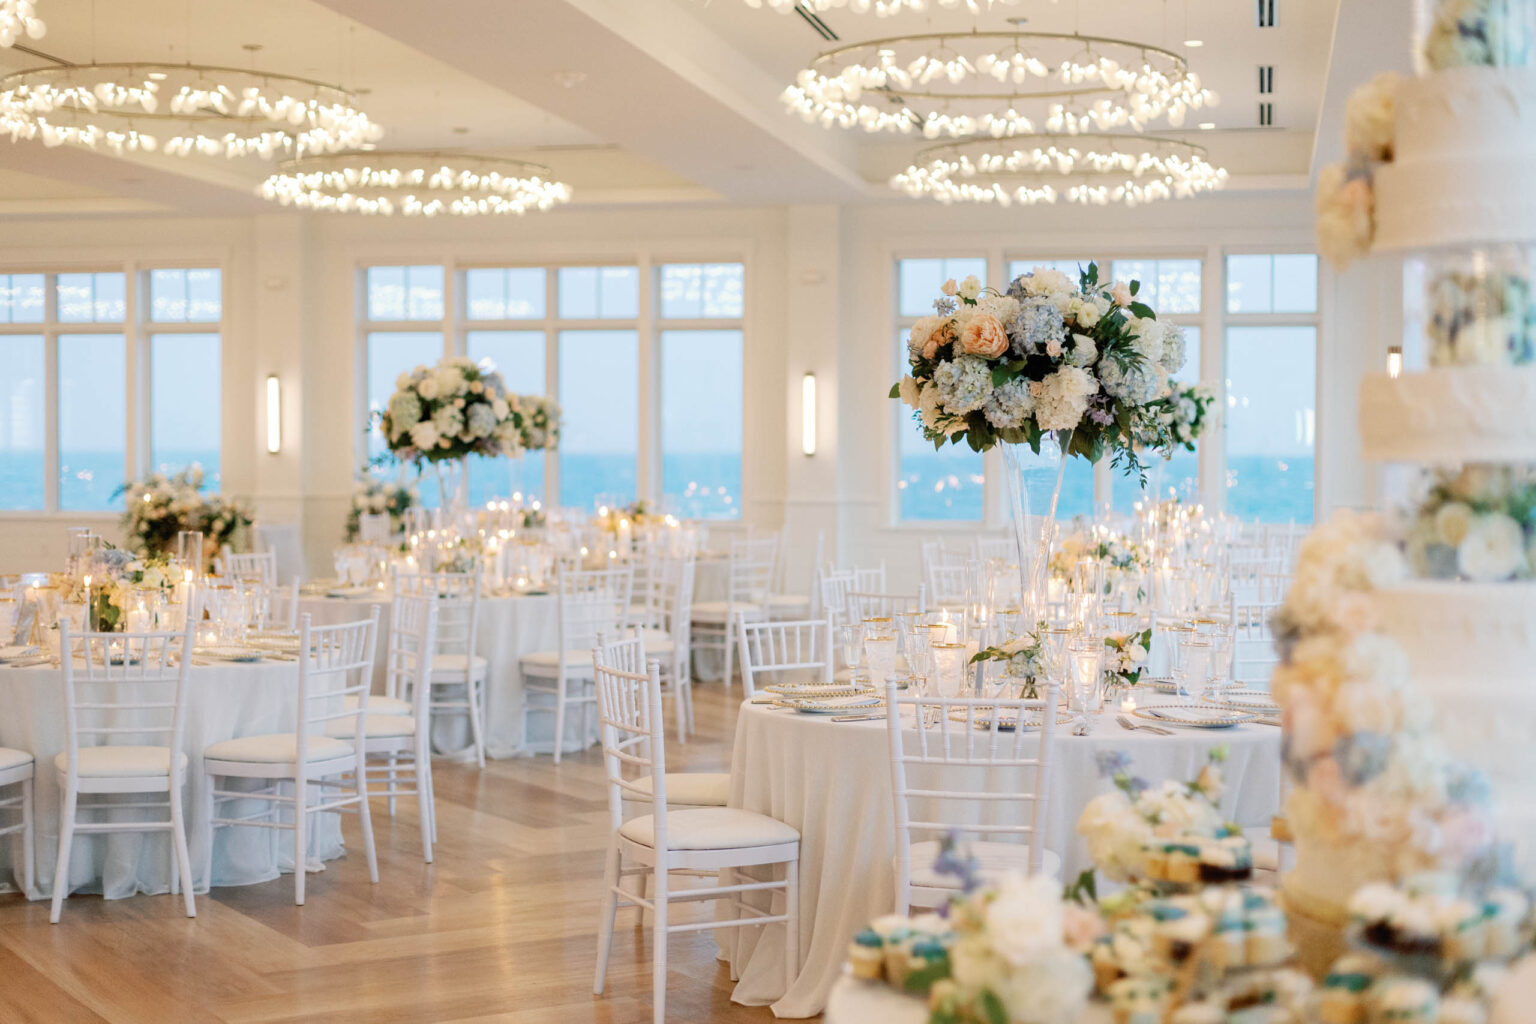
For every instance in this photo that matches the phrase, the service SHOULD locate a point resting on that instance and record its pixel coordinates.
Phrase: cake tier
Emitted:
(1466, 139)
(1452, 415)
(1472, 655)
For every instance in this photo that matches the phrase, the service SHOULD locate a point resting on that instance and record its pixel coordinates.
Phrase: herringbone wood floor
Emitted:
(501, 928)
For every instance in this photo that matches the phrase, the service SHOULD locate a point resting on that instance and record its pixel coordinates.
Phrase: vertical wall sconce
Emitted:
(274, 414)
(808, 414)
(1395, 361)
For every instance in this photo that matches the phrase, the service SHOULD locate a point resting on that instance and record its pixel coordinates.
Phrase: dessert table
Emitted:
(831, 780)
(224, 701)
(852, 1001)
(508, 629)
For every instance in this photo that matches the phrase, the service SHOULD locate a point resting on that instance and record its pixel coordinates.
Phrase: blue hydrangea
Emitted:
(964, 384)
(1010, 405)
(1037, 322)
(1133, 383)
(945, 306)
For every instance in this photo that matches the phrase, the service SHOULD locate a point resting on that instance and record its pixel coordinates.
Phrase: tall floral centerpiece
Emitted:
(372, 496)
(538, 428)
(1082, 365)
(445, 413)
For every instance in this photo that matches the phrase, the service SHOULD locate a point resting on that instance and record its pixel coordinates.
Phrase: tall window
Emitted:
(947, 484)
(185, 307)
(579, 333)
(1271, 341)
(79, 340)
(1172, 288)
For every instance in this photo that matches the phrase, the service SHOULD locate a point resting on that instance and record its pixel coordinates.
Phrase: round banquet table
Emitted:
(831, 780)
(224, 701)
(508, 628)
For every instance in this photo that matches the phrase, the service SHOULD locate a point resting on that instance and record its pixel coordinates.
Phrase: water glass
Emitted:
(950, 663)
(1192, 667)
(1085, 661)
(880, 657)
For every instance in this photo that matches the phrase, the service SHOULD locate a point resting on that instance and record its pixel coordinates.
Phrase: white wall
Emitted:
(818, 299)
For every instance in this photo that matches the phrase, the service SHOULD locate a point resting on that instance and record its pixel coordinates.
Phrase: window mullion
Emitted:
(648, 471)
(51, 394)
(551, 384)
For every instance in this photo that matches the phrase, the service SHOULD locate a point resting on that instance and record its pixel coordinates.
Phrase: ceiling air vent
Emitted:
(1266, 13)
(1266, 114)
(1266, 79)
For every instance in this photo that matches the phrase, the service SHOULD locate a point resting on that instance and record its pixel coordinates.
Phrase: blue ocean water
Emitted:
(1261, 488)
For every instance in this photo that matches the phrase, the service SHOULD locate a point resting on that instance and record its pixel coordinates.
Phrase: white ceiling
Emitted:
(628, 100)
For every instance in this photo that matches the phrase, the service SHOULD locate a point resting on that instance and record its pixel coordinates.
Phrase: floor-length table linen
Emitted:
(223, 701)
(508, 629)
(832, 782)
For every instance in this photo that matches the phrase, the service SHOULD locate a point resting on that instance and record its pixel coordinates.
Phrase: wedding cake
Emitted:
(1408, 639)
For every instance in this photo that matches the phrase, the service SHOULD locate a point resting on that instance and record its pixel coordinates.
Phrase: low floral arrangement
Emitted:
(1367, 768)
(159, 507)
(1172, 832)
(372, 496)
(450, 411)
(124, 574)
(1126, 657)
(1084, 361)
(1486, 318)
(1121, 557)
(1470, 33)
(1476, 524)
(538, 421)
(1023, 658)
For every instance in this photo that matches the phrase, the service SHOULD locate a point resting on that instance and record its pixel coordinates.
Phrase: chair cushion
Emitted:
(693, 789)
(780, 603)
(716, 611)
(13, 758)
(549, 661)
(378, 705)
(711, 828)
(658, 641)
(121, 762)
(375, 727)
(993, 860)
(453, 664)
(275, 748)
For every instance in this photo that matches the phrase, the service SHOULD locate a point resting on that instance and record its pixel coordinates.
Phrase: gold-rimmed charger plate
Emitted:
(1256, 702)
(832, 705)
(1192, 716)
(983, 718)
(816, 691)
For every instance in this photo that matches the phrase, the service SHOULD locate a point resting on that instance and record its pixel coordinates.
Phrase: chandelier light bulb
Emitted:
(18, 19)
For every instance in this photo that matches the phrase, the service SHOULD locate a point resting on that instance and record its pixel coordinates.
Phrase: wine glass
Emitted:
(1085, 660)
(950, 662)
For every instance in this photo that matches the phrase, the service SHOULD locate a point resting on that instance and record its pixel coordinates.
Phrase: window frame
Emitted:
(648, 325)
(137, 330)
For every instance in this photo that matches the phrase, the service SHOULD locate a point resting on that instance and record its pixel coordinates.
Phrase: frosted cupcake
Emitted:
(1403, 1000)
(1341, 1000)
(866, 955)
(1140, 1000)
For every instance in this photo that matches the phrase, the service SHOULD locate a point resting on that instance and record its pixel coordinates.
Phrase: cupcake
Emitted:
(1226, 860)
(866, 955)
(1341, 1000)
(1264, 939)
(1183, 863)
(1140, 1000)
(1177, 932)
(1154, 859)
(1228, 945)
(1106, 967)
(1402, 1000)
(1462, 1010)
(1503, 914)
(924, 951)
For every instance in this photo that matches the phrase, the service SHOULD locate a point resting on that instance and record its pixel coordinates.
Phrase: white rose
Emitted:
(1086, 313)
(1452, 522)
(402, 382)
(1024, 919)
(424, 435)
(1369, 121)
(1494, 549)
(970, 288)
(427, 388)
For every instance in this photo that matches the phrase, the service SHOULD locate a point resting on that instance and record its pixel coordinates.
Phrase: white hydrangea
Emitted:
(1004, 307)
(481, 420)
(448, 421)
(1147, 338)
(424, 435)
(1061, 398)
(1084, 351)
(1175, 348)
(1009, 406)
(963, 384)
(1136, 384)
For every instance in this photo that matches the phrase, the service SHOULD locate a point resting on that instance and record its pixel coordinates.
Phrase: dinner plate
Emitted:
(17, 652)
(1258, 702)
(831, 705)
(1189, 716)
(350, 591)
(983, 719)
(816, 691)
(229, 653)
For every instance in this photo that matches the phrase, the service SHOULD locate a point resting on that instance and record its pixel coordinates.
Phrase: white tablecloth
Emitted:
(223, 702)
(509, 628)
(859, 1002)
(831, 780)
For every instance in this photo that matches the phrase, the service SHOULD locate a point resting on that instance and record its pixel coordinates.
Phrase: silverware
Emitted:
(856, 718)
(1268, 720)
(1126, 723)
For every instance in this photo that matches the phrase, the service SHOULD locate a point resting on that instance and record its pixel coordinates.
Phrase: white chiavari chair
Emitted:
(590, 603)
(126, 686)
(946, 585)
(783, 603)
(749, 583)
(865, 605)
(1253, 642)
(869, 580)
(17, 769)
(697, 840)
(835, 585)
(1004, 548)
(458, 673)
(335, 662)
(665, 632)
(399, 747)
(959, 759)
(281, 606)
(254, 567)
(789, 651)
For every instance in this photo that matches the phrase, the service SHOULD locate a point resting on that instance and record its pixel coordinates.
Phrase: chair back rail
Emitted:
(771, 647)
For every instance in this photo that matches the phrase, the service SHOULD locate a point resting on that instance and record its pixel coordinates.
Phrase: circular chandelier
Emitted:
(19, 18)
(884, 8)
(988, 83)
(1096, 169)
(415, 184)
(181, 109)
